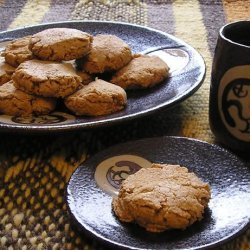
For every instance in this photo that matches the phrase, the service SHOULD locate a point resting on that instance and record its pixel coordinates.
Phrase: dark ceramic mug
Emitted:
(229, 105)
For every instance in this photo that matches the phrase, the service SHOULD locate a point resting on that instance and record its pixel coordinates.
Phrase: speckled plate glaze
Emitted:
(187, 73)
(92, 185)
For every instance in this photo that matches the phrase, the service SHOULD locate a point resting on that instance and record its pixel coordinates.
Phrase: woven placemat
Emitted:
(35, 169)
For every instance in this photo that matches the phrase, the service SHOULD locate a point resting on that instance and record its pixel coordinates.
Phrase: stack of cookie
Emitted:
(61, 63)
(35, 84)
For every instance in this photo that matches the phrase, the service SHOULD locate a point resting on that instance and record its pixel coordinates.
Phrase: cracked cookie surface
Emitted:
(142, 72)
(48, 79)
(18, 103)
(85, 77)
(162, 197)
(97, 98)
(108, 53)
(17, 51)
(58, 44)
(6, 71)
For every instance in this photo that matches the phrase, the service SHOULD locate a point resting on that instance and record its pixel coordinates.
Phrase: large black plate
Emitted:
(90, 190)
(187, 73)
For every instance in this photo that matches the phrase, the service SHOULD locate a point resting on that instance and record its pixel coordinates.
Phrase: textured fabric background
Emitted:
(34, 169)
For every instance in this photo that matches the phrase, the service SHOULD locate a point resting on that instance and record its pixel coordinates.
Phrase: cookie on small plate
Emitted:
(18, 103)
(58, 44)
(108, 53)
(17, 51)
(6, 71)
(48, 79)
(142, 72)
(162, 197)
(97, 98)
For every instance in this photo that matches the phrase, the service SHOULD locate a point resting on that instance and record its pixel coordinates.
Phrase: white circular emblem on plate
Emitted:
(52, 118)
(234, 101)
(110, 173)
(176, 59)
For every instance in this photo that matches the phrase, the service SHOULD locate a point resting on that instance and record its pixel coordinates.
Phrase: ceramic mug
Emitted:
(229, 104)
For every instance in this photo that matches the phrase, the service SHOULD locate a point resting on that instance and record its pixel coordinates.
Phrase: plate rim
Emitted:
(108, 242)
(113, 120)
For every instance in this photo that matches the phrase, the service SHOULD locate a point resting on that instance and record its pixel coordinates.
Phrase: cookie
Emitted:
(18, 103)
(6, 71)
(17, 51)
(97, 98)
(162, 197)
(108, 53)
(85, 77)
(48, 79)
(59, 44)
(142, 72)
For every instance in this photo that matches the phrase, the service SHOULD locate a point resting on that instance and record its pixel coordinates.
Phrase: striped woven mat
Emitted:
(34, 169)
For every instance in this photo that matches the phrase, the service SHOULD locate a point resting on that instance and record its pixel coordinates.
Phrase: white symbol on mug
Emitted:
(234, 101)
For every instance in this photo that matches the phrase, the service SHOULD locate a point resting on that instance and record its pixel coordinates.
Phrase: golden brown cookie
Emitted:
(142, 72)
(18, 103)
(48, 79)
(97, 98)
(17, 51)
(6, 71)
(85, 77)
(162, 197)
(58, 44)
(108, 53)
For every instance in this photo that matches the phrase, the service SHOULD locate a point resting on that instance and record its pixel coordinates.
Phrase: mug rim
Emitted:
(222, 29)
